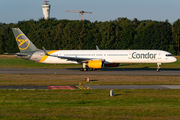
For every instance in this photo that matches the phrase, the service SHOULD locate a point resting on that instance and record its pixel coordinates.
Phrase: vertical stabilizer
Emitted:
(24, 44)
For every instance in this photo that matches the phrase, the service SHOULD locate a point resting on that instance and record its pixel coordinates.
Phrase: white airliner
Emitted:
(91, 59)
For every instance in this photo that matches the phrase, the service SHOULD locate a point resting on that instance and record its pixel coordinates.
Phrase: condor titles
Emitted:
(148, 55)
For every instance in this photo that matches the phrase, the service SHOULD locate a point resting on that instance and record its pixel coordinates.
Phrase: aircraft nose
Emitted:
(174, 59)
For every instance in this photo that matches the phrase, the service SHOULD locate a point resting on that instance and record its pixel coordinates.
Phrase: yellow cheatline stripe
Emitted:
(52, 51)
(45, 56)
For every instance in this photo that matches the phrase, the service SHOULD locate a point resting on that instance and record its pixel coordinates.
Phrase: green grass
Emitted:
(20, 63)
(45, 80)
(89, 104)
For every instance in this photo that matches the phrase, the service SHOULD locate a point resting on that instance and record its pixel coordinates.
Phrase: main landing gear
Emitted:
(86, 68)
(158, 67)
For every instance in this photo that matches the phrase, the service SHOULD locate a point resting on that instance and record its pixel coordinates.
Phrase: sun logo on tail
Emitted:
(22, 41)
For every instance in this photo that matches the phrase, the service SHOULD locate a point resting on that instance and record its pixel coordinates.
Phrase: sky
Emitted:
(12, 11)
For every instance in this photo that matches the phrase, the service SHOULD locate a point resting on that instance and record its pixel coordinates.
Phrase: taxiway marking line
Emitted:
(61, 87)
(80, 87)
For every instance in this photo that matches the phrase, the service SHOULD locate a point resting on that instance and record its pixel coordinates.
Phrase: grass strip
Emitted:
(39, 80)
(89, 104)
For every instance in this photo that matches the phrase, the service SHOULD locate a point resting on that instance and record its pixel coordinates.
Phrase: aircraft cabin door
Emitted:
(130, 55)
(36, 55)
(159, 55)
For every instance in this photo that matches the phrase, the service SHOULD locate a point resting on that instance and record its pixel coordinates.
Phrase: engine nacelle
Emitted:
(96, 64)
(112, 65)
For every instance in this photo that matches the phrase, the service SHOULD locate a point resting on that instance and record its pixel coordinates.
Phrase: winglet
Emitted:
(46, 53)
(97, 48)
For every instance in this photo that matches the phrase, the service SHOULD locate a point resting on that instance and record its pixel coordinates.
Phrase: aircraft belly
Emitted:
(127, 60)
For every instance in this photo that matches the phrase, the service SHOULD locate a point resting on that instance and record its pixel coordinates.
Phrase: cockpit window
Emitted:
(168, 55)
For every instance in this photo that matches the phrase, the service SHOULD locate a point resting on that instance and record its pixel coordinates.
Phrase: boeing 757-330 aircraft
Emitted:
(90, 59)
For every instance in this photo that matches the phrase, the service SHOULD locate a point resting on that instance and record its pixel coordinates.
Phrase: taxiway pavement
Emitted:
(96, 87)
(98, 72)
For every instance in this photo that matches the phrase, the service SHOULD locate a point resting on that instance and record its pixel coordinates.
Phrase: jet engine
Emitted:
(112, 65)
(96, 64)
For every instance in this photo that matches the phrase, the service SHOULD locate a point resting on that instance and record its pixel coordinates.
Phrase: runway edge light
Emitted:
(111, 93)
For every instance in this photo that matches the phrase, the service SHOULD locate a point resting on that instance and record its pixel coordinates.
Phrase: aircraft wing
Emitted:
(78, 59)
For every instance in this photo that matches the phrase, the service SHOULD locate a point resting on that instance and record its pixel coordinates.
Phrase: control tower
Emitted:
(46, 10)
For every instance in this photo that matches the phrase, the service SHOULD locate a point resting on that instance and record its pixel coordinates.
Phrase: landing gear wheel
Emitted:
(158, 67)
(86, 69)
(91, 69)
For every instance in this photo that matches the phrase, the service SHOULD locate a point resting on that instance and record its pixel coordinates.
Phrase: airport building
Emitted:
(46, 10)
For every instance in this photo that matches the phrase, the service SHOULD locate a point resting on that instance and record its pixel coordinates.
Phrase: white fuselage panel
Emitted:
(113, 56)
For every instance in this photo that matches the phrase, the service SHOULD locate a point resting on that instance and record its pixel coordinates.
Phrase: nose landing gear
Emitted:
(158, 67)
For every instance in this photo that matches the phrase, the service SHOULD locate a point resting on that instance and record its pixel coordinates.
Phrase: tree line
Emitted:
(121, 33)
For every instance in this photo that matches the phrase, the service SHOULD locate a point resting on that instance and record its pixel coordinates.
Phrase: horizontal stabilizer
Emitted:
(18, 54)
